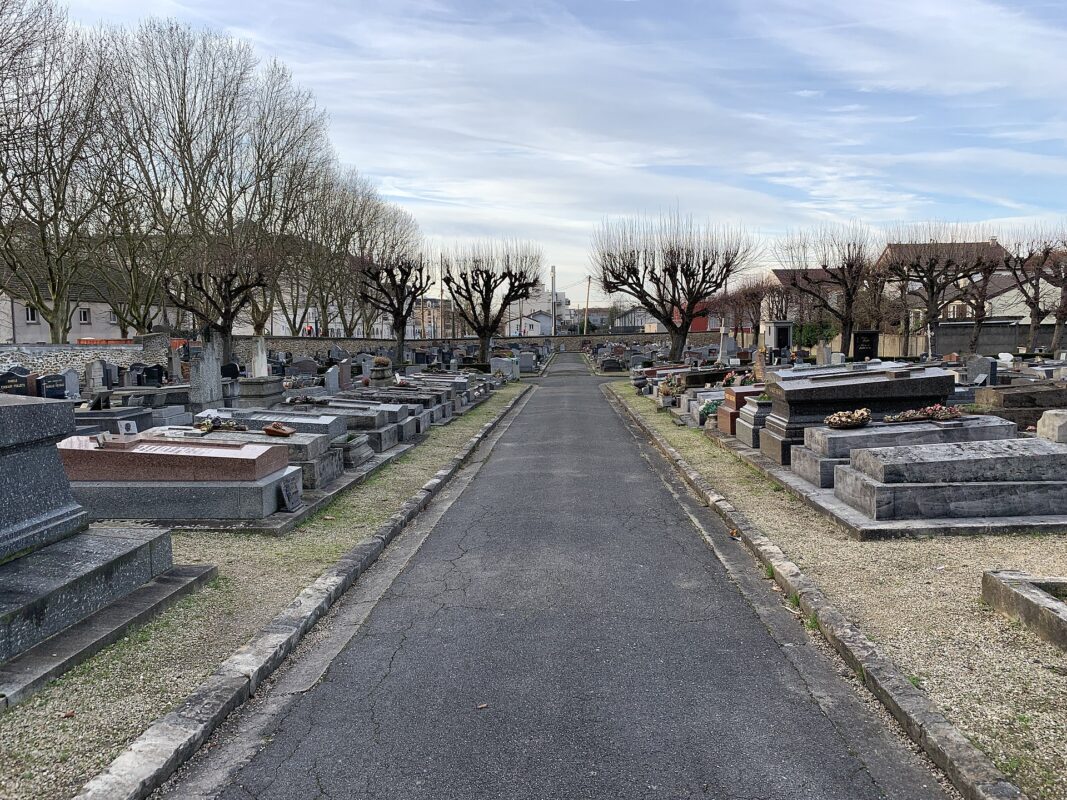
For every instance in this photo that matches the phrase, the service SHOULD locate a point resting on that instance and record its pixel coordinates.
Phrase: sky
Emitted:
(538, 119)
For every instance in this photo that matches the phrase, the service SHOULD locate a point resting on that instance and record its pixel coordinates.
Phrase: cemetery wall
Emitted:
(53, 358)
(244, 346)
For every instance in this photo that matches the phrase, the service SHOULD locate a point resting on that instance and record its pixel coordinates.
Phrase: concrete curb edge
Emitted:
(175, 737)
(967, 767)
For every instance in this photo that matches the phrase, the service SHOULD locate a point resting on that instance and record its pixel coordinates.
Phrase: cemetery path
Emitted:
(565, 632)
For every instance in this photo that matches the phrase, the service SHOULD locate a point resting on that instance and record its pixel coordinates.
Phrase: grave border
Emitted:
(1028, 599)
(967, 767)
(174, 738)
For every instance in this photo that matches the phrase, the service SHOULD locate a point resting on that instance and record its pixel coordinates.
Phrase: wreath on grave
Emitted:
(936, 413)
(849, 419)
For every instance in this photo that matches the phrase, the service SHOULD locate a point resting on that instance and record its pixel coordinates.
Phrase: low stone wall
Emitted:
(53, 358)
(244, 346)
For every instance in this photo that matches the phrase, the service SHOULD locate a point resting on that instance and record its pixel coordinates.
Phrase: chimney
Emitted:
(992, 239)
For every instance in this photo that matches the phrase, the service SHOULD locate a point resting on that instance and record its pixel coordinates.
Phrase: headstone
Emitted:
(344, 373)
(70, 379)
(52, 387)
(205, 376)
(96, 376)
(822, 353)
(982, 370)
(1053, 425)
(153, 375)
(260, 368)
(303, 366)
(13, 383)
(864, 345)
(332, 380)
(837, 359)
(174, 367)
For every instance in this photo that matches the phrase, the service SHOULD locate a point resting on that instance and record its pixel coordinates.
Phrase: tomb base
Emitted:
(184, 500)
(382, 439)
(56, 586)
(322, 471)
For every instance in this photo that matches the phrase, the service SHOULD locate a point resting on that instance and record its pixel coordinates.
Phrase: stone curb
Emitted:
(172, 739)
(967, 767)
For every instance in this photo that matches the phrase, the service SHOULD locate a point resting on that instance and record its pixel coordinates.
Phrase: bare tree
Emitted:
(930, 259)
(671, 265)
(978, 282)
(485, 278)
(51, 174)
(1023, 260)
(1053, 270)
(830, 266)
(393, 287)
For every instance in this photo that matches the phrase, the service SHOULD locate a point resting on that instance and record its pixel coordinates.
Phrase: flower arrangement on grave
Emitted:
(710, 407)
(849, 419)
(936, 412)
(729, 378)
(382, 361)
(219, 424)
(748, 380)
(763, 398)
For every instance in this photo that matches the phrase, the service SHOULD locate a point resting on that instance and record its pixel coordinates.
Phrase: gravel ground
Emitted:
(56, 741)
(920, 599)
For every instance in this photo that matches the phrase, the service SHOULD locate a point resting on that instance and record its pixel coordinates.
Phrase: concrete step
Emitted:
(32, 670)
(54, 587)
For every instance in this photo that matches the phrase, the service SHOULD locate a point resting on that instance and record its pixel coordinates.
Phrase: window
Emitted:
(113, 318)
(83, 316)
(31, 315)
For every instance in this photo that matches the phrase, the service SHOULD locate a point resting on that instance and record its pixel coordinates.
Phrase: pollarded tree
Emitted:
(485, 278)
(393, 284)
(928, 261)
(671, 265)
(830, 266)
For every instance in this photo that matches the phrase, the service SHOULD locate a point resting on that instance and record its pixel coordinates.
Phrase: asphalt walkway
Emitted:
(564, 632)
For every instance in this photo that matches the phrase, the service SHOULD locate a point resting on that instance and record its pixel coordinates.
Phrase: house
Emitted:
(523, 326)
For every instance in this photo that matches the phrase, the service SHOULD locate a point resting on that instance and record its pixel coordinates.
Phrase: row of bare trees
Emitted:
(187, 181)
(839, 276)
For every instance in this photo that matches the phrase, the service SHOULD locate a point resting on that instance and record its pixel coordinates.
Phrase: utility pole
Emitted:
(553, 300)
(439, 330)
(588, 283)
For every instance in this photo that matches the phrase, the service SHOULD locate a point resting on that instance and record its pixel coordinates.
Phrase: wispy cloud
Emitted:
(539, 119)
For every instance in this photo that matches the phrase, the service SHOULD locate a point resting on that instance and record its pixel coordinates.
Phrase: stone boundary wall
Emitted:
(46, 359)
(243, 346)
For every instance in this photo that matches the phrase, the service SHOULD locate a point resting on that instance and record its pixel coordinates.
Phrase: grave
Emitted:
(800, 402)
(260, 392)
(527, 362)
(259, 418)
(750, 421)
(155, 478)
(205, 377)
(57, 573)
(1040, 603)
(124, 419)
(825, 448)
(733, 401)
(1009, 478)
(1023, 404)
(373, 422)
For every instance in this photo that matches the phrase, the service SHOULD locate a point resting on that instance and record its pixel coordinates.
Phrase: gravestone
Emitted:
(864, 345)
(332, 380)
(1053, 426)
(70, 378)
(303, 366)
(260, 368)
(12, 382)
(52, 387)
(982, 370)
(344, 373)
(822, 353)
(837, 359)
(97, 377)
(153, 375)
(205, 376)
(174, 366)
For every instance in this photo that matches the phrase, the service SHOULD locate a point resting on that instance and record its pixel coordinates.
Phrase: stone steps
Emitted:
(31, 670)
(54, 587)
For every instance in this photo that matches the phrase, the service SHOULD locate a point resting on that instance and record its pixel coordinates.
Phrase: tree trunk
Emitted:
(483, 348)
(1035, 327)
(226, 337)
(57, 330)
(1057, 334)
(678, 339)
(846, 337)
(976, 330)
(400, 334)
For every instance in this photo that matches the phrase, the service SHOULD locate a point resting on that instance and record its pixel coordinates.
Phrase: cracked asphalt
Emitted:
(564, 632)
